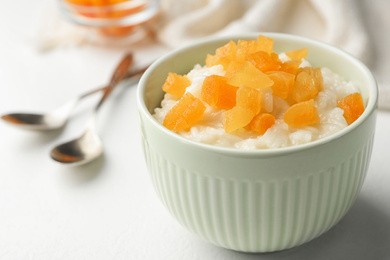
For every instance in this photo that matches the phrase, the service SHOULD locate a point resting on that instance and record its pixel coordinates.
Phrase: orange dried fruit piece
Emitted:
(297, 54)
(291, 66)
(223, 55)
(185, 113)
(218, 93)
(261, 123)
(275, 57)
(265, 44)
(264, 61)
(236, 118)
(244, 48)
(308, 82)
(248, 75)
(353, 107)
(107, 9)
(283, 83)
(302, 114)
(249, 98)
(176, 84)
(95, 2)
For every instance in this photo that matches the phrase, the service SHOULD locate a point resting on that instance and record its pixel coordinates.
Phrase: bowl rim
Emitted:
(370, 108)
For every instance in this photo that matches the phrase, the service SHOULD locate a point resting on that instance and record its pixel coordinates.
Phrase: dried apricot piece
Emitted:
(283, 83)
(236, 118)
(244, 48)
(308, 82)
(353, 107)
(302, 114)
(186, 112)
(176, 84)
(218, 93)
(249, 98)
(265, 44)
(275, 57)
(223, 55)
(291, 66)
(297, 54)
(264, 61)
(248, 75)
(261, 123)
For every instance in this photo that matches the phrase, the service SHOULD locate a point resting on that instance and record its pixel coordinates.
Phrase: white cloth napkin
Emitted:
(348, 24)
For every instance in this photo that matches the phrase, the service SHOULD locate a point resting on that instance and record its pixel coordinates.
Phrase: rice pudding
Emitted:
(277, 105)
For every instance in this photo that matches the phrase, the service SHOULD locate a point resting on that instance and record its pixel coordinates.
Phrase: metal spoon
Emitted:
(89, 146)
(55, 119)
(50, 121)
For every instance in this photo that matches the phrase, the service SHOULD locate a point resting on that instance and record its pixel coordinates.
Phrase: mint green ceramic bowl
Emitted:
(263, 200)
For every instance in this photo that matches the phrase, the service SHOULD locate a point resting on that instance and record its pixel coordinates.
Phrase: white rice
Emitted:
(210, 129)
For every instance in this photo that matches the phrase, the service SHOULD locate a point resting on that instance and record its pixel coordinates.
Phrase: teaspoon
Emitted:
(89, 146)
(50, 121)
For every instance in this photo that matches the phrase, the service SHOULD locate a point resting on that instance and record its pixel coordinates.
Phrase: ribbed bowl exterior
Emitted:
(261, 210)
(265, 200)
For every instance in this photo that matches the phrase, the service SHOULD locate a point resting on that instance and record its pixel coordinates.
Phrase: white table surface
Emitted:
(108, 208)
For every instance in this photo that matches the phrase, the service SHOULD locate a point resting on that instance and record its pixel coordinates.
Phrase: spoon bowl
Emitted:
(53, 120)
(81, 150)
(30, 121)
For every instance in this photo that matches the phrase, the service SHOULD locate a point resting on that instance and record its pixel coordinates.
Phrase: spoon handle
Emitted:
(130, 75)
(120, 72)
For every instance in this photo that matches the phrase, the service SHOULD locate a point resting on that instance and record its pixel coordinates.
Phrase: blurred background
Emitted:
(53, 50)
(46, 26)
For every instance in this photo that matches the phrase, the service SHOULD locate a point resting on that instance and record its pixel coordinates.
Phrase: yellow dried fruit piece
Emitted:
(297, 54)
(249, 98)
(176, 84)
(237, 118)
(317, 75)
(264, 61)
(265, 44)
(244, 48)
(308, 82)
(291, 66)
(302, 114)
(248, 75)
(232, 68)
(283, 83)
(186, 112)
(353, 107)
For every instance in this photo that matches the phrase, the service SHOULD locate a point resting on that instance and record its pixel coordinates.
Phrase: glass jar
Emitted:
(115, 19)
